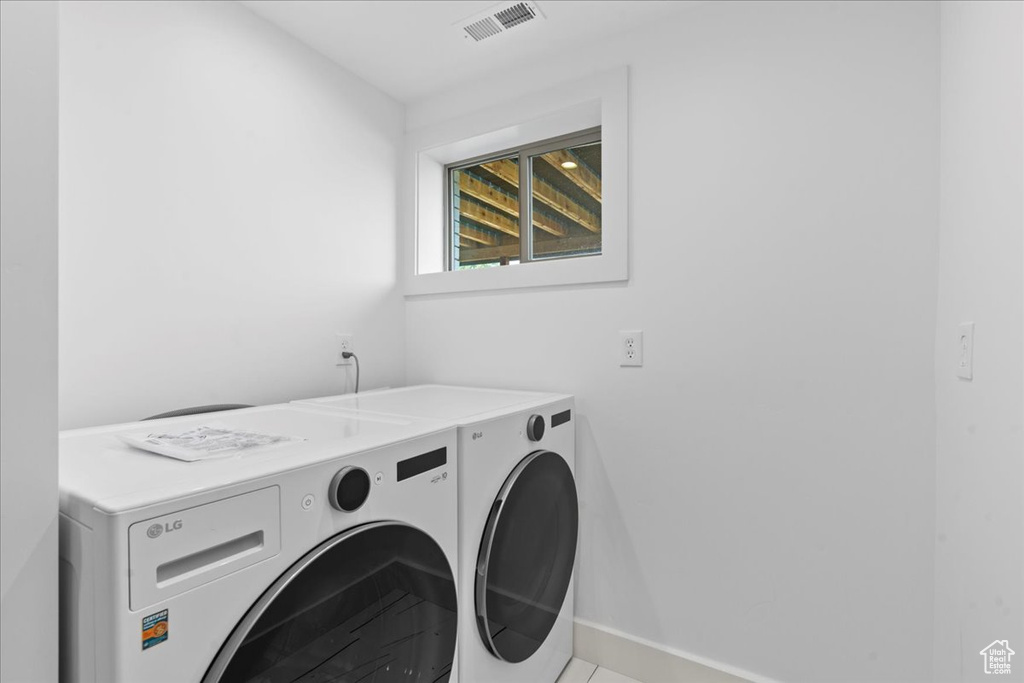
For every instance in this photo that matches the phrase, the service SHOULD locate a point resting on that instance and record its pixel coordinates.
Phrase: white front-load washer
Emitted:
(518, 522)
(332, 558)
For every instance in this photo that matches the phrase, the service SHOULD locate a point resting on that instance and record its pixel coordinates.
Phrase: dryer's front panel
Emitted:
(518, 526)
(526, 556)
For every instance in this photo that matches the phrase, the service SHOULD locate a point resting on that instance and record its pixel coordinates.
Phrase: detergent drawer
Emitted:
(176, 552)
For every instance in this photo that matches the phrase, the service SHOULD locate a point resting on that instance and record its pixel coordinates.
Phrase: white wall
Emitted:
(979, 550)
(28, 341)
(760, 493)
(227, 205)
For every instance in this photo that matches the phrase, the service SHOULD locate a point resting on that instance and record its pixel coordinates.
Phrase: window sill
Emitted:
(572, 271)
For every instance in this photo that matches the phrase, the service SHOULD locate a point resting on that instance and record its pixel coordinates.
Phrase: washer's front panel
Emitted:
(148, 645)
(172, 554)
(377, 603)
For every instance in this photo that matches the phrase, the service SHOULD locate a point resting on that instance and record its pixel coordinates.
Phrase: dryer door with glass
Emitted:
(526, 556)
(373, 604)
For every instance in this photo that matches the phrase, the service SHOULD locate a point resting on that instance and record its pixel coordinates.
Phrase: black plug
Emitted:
(348, 354)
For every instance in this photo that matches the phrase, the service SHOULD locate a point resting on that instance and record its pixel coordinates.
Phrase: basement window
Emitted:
(553, 186)
(537, 182)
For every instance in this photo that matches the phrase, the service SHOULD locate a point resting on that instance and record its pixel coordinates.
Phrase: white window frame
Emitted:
(599, 100)
(524, 193)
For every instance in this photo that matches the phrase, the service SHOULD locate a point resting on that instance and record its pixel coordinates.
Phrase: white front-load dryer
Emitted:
(518, 522)
(332, 558)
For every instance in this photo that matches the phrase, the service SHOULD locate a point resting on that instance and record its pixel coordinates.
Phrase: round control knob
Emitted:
(349, 489)
(535, 428)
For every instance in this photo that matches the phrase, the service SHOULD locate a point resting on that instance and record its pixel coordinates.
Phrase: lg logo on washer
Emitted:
(155, 530)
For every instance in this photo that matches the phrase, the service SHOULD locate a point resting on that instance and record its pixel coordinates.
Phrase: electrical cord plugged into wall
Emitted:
(346, 355)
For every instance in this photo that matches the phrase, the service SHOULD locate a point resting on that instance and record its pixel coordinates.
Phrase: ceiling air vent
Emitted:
(516, 14)
(485, 28)
(498, 20)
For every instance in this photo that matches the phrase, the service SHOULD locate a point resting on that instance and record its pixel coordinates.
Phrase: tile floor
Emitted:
(579, 671)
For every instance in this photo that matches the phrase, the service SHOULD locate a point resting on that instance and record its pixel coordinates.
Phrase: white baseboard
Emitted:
(650, 662)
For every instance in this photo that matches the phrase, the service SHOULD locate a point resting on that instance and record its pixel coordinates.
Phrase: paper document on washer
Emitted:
(204, 442)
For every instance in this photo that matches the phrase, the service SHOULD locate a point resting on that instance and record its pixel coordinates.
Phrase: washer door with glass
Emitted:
(373, 604)
(526, 556)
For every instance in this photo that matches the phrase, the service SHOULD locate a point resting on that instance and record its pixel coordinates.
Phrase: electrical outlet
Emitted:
(631, 348)
(965, 351)
(344, 344)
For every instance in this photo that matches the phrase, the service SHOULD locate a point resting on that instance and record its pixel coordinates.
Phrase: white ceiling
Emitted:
(411, 49)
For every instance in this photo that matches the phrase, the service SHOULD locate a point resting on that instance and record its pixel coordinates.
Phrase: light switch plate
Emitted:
(965, 351)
